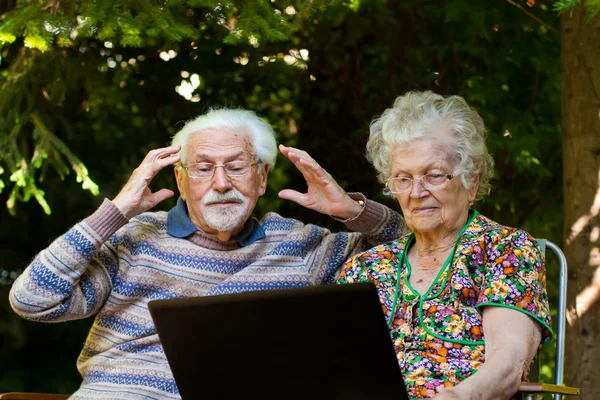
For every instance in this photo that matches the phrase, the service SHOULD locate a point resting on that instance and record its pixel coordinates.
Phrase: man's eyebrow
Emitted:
(204, 156)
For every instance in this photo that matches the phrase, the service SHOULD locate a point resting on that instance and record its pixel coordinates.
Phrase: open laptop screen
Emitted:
(319, 342)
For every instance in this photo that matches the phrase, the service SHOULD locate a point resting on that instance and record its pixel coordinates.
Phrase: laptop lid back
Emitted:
(319, 342)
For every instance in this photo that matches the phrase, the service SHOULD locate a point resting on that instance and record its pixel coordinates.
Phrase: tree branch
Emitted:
(532, 16)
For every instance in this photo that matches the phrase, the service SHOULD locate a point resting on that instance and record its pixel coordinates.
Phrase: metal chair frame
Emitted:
(530, 391)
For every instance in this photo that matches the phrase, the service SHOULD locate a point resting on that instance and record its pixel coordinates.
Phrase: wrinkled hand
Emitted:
(451, 393)
(446, 396)
(323, 194)
(136, 197)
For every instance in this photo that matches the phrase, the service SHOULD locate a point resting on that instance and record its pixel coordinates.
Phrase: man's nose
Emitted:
(221, 181)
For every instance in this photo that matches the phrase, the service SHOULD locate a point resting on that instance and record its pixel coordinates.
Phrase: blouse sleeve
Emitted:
(513, 275)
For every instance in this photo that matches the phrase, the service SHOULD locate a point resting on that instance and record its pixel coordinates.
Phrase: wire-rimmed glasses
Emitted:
(432, 181)
(206, 170)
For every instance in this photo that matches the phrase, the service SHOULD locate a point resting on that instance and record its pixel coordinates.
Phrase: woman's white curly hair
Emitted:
(412, 117)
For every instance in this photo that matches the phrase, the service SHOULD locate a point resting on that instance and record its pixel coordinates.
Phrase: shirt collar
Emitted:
(180, 225)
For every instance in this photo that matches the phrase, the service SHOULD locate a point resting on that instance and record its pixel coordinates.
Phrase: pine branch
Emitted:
(592, 8)
(48, 43)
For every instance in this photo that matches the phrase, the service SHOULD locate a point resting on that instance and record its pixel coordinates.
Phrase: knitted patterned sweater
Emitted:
(112, 267)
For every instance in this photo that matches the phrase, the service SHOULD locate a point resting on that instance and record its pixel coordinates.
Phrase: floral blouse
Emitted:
(438, 336)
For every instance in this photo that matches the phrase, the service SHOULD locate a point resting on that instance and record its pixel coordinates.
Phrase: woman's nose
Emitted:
(418, 190)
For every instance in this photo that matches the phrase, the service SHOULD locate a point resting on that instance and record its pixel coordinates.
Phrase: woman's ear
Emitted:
(474, 189)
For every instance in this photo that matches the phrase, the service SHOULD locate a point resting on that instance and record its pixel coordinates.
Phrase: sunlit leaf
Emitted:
(6, 37)
(39, 196)
(36, 42)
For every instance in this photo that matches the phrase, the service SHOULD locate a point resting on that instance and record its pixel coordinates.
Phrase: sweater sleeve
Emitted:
(377, 224)
(71, 278)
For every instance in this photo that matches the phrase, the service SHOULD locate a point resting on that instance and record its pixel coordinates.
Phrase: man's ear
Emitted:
(264, 172)
(180, 177)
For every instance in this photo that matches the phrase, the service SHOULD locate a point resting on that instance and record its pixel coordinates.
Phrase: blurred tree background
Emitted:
(87, 88)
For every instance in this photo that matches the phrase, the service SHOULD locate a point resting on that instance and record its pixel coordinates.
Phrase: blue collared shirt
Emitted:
(180, 225)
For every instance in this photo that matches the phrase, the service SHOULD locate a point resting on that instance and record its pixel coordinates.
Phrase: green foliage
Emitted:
(141, 22)
(54, 49)
(592, 8)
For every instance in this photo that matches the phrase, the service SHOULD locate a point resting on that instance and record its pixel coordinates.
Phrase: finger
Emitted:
(168, 160)
(160, 153)
(284, 150)
(296, 197)
(157, 161)
(296, 153)
(313, 172)
(161, 195)
(310, 169)
(287, 151)
(170, 151)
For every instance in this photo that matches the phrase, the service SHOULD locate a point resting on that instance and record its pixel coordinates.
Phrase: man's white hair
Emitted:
(261, 134)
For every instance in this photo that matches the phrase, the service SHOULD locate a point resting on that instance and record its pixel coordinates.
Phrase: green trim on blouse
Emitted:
(545, 325)
(444, 268)
(425, 297)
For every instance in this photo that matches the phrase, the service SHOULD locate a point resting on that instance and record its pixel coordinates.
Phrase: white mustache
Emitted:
(215, 197)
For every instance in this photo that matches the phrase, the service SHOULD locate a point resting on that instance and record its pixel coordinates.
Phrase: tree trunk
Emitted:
(7, 5)
(581, 134)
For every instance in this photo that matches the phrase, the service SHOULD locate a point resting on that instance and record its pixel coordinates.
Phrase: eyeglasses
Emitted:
(206, 170)
(403, 184)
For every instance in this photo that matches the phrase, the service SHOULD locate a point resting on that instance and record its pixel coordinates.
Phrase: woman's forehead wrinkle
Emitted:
(421, 154)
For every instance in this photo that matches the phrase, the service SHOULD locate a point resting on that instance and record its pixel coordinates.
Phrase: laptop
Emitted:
(321, 342)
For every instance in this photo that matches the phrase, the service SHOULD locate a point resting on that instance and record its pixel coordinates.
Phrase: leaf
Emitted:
(6, 37)
(64, 41)
(36, 42)
(18, 177)
(88, 184)
(39, 196)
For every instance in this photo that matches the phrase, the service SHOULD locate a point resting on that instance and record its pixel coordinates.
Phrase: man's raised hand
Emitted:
(136, 197)
(323, 193)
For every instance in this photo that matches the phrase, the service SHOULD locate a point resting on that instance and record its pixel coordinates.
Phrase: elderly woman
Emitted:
(464, 296)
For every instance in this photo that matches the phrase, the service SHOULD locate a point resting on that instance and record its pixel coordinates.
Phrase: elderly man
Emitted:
(119, 258)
